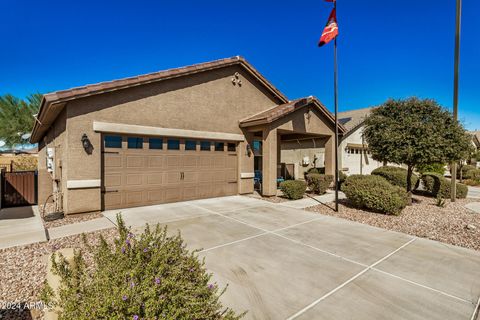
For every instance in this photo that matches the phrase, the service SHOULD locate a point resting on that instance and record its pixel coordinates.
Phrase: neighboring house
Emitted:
(476, 144)
(169, 136)
(354, 156)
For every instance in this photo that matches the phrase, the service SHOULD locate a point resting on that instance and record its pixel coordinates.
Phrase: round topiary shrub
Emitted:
(437, 185)
(375, 193)
(293, 189)
(318, 183)
(396, 176)
(149, 276)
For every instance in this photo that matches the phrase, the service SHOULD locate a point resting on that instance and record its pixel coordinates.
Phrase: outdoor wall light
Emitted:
(249, 150)
(86, 144)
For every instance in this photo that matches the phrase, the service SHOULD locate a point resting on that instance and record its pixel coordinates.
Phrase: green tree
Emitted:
(415, 132)
(16, 117)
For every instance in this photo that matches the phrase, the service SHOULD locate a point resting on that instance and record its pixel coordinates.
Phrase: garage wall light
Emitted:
(249, 150)
(87, 145)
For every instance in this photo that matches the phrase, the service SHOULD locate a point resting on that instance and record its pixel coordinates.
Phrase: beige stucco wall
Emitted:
(205, 102)
(293, 152)
(50, 182)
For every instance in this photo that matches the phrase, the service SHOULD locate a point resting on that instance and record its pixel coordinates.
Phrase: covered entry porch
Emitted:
(281, 133)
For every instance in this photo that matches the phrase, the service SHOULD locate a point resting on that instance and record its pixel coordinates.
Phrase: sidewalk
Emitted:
(20, 226)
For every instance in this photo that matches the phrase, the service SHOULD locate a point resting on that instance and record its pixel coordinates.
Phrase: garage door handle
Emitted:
(182, 175)
(114, 152)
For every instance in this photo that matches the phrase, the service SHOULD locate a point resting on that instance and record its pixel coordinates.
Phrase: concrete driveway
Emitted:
(285, 263)
(20, 226)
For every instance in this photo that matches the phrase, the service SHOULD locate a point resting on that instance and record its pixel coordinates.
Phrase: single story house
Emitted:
(173, 135)
(354, 156)
(476, 144)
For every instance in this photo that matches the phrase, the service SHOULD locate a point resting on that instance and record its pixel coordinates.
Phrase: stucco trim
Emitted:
(168, 132)
(247, 175)
(82, 184)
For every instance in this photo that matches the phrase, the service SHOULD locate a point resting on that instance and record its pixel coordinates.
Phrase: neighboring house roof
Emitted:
(277, 112)
(476, 137)
(53, 103)
(353, 118)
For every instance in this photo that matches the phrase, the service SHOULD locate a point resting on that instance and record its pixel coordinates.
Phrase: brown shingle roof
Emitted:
(351, 119)
(102, 87)
(277, 112)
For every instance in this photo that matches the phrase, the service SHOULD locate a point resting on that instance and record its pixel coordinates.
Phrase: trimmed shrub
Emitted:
(465, 169)
(319, 183)
(375, 193)
(341, 178)
(316, 170)
(150, 276)
(396, 176)
(434, 167)
(438, 186)
(293, 189)
(473, 174)
(471, 182)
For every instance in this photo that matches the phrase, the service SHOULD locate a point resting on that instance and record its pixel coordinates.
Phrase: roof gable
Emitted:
(53, 103)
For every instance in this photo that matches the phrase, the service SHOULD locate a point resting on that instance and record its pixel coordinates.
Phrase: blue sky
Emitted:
(394, 48)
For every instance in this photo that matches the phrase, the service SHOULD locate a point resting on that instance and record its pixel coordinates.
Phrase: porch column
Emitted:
(269, 162)
(330, 156)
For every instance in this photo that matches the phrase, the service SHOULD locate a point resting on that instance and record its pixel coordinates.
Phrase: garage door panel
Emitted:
(190, 192)
(156, 195)
(206, 161)
(113, 180)
(173, 194)
(137, 177)
(173, 177)
(231, 175)
(219, 162)
(155, 178)
(219, 176)
(112, 161)
(134, 197)
(134, 179)
(190, 161)
(113, 200)
(134, 162)
(157, 162)
(174, 161)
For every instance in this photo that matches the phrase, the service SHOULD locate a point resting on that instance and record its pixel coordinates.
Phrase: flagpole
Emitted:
(455, 90)
(335, 86)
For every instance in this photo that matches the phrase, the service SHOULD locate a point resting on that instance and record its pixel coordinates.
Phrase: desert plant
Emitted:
(150, 276)
(473, 174)
(471, 182)
(375, 193)
(432, 167)
(440, 202)
(396, 176)
(415, 132)
(293, 189)
(341, 178)
(318, 183)
(438, 186)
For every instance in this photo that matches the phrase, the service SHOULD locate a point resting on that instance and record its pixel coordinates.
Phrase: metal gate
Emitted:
(18, 188)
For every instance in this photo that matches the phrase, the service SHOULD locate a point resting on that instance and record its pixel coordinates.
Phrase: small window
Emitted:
(205, 145)
(173, 144)
(135, 143)
(113, 141)
(219, 146)
(232, 147)
(190, 145)
(155, 143)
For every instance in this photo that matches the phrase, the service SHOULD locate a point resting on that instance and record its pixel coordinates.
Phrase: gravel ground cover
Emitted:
(453, 224)
(23, 270)
(69, 219)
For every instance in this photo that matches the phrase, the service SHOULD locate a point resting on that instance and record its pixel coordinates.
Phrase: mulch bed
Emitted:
(423, 219)
(24, 270)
